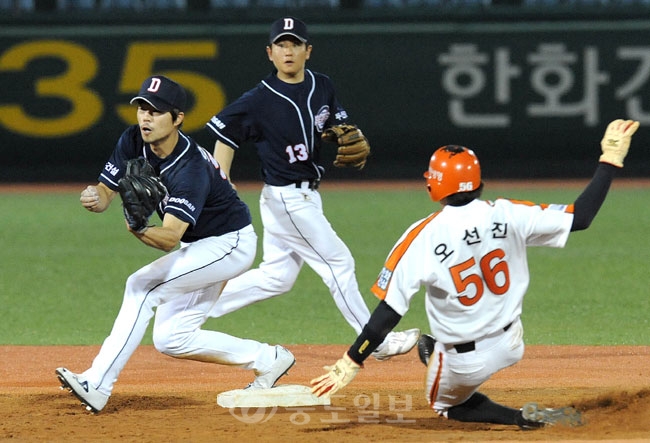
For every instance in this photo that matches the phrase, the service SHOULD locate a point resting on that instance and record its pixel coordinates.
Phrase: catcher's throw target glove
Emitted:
(616, 141)
(337, 377)
(354, 148)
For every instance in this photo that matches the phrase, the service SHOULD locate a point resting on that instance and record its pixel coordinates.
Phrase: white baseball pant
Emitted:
(183, 286)
(453, 377)
(296, 231)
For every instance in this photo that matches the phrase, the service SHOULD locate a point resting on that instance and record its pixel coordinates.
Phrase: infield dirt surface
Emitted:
(160, 399)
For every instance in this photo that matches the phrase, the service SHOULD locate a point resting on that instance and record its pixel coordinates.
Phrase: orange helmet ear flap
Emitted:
(452, 169)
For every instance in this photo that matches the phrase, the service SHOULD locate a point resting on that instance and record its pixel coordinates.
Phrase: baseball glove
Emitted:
(141, 191)
(354, 148)
(139, 166)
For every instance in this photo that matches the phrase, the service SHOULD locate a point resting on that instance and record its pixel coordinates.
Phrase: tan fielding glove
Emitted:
(616, 141)
(353, 149)
(337, 377)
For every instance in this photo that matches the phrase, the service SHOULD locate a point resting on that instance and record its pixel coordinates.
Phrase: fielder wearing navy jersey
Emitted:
(284, 117)
(197, 192)
(203, 214)
(288, 139)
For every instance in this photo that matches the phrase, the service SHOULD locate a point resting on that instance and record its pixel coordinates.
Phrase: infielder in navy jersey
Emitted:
(203, 214)
(285, 116)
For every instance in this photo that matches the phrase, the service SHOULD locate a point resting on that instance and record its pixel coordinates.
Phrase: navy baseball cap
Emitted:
(162, 93)
(288, 26)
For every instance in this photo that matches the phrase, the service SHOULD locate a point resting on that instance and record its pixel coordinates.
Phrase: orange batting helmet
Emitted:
(452, 169)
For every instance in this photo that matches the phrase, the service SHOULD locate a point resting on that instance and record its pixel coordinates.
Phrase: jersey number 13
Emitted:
(297, 153)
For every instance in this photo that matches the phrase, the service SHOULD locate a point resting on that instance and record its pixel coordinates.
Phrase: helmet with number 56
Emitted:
(452, 169)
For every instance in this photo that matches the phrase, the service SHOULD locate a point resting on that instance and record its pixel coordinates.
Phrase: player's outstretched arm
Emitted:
(97, 198)
(615, 145)
(383, 320)
(616, 141)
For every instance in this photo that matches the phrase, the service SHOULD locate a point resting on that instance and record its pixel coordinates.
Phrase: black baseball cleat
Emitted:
(425, 348)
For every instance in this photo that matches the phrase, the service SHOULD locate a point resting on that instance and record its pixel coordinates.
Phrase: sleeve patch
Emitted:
(384, 278)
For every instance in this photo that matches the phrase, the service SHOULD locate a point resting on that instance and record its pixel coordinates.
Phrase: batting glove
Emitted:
(616, 141)
(337, 377)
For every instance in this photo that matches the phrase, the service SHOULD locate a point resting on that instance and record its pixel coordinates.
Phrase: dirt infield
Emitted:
(162, 399)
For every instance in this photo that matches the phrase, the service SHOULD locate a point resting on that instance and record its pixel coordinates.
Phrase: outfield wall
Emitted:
(531, 97)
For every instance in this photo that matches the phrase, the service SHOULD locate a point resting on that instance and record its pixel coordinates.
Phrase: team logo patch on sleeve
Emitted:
(384, 278)
(321, 117)
(556, 207)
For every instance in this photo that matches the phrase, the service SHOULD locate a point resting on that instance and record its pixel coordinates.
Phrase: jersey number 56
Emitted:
(494, 274)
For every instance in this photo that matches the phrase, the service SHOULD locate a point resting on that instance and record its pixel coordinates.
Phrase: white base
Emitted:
(281, 395)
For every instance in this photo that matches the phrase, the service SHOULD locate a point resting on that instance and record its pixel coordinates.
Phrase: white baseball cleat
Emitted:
(91, 398)
(284, 360)
(397, 343)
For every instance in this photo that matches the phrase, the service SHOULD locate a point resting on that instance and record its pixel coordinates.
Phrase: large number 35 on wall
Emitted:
(86, 106)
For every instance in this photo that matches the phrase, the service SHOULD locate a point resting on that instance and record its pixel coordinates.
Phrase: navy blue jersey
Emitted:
(285, 122)
(198, 192)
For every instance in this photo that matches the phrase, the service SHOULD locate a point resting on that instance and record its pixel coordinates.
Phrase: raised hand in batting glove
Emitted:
(616, 141)
(354, 148)
(337, 377)
(141, 191)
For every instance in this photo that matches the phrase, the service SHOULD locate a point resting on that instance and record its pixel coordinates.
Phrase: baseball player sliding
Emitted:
(286, 116)
(470, 256)
(156, 167)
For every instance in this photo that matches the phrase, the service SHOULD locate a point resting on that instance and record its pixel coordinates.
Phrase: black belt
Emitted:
(471, 345)
(313, 184)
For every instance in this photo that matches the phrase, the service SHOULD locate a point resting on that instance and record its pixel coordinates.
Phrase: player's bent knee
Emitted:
(168, 342)
(135, 284)
(279, 285)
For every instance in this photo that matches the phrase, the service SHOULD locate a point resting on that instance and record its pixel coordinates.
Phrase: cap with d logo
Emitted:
(288, 26)
(162, 93)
